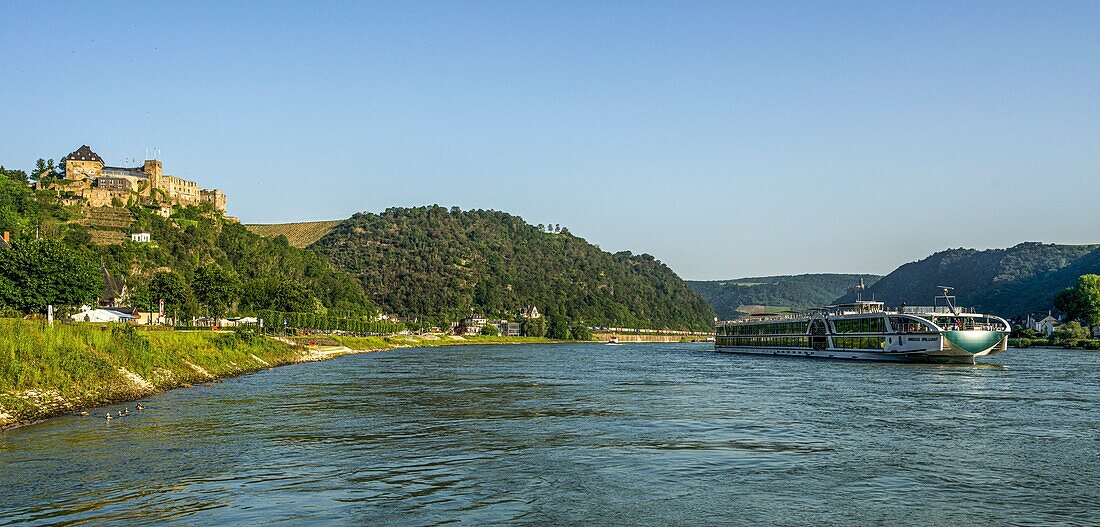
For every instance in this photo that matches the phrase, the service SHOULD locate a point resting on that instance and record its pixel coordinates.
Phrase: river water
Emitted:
(582, 434)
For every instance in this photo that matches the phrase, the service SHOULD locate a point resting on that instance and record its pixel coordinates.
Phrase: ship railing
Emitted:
(920, 310)
(765, 318)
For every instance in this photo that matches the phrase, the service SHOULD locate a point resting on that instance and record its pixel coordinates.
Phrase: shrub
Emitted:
(580, 332)
(1067, 334)
(246, 334)
(490, 330)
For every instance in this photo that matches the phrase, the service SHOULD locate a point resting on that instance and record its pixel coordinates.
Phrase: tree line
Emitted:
(443, 263)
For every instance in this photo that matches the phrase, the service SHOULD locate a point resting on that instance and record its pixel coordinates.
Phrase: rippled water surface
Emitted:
(582, 434)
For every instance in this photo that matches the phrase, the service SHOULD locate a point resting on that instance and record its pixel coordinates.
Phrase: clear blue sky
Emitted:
(725, 139)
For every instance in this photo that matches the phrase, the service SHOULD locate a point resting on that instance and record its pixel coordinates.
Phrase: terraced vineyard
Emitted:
(300, 235)
(107, 225)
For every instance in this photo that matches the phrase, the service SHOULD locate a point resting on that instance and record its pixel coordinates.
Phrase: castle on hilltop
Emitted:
(89, 180)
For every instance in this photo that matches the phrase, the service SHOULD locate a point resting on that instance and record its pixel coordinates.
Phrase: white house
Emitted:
(471, 325)
(1045, 325)
(141, 237)
(88, 314)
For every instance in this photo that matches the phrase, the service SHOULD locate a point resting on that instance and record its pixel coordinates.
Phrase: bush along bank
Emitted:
(1083, 344)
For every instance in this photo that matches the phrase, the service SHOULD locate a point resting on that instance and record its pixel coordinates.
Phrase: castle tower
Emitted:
(153, 167)
(83, 164)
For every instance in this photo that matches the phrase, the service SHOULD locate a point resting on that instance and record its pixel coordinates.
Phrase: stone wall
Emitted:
(81, 170)
(155, 184)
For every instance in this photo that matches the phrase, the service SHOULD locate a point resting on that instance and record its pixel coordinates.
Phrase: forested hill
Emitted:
(443, 264)
(1008, 282)
(197, 260)
(736, 298)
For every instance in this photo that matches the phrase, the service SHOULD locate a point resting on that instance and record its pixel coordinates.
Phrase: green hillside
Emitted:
(242, 271)
(1009, 282)
(736, 298)
(443, 264)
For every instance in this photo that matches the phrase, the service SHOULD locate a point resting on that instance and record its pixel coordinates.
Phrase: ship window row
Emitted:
(860, 325)
(860, 343)
(766, 342)
(775, 328)
(908, 325)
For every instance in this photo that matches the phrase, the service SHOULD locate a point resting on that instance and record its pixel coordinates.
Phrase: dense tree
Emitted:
(17, 209)
(37, 273)
(292, 295)
(557, 326)
(580, 332)
(1070, 332)
(287, 295)
(29, 214)
(438, 263)
(172, 288)
(490, 330)
(18, 176)
(535, 327)
(215, 289)
(1082, 301)
(44, 170)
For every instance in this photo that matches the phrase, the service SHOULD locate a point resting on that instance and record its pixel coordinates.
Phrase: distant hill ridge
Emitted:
(1009, 282)
(742, 296)
(299, 234)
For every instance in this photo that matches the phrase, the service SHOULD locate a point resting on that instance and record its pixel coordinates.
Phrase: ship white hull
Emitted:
(940, 356)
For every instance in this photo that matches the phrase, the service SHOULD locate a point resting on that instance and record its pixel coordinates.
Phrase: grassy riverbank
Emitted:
(47, 371)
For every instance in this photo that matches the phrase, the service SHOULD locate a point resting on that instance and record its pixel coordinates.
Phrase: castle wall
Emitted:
(80, 170)
(179, 190)
(101, 197)
(149, 180)
(153, 167)
(214, 197)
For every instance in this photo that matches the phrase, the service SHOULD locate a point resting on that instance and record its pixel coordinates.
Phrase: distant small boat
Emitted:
(613, 340)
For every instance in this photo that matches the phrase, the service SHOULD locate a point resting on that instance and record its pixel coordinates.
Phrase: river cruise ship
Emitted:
(867, 330)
